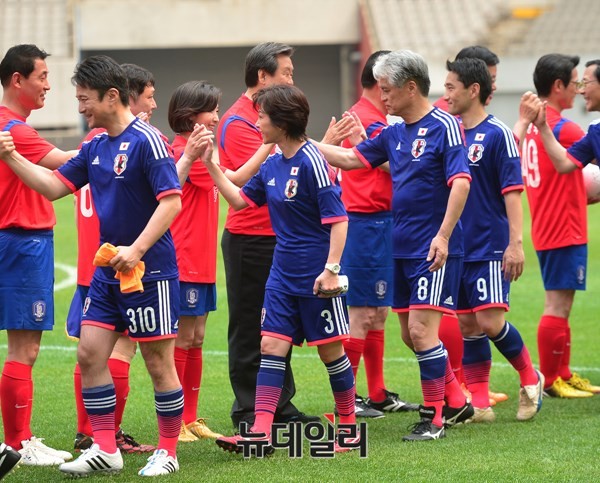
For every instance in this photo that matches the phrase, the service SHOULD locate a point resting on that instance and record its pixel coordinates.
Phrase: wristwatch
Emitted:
(333, 267)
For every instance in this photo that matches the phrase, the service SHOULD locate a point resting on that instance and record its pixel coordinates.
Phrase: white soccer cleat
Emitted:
(32, 454)
(530, 399)
(94, 461)
(57, 453)
(160, 463)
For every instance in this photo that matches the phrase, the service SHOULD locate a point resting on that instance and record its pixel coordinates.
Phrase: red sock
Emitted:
(453, 394)
(452, 338)
(478, 382)
(83, 422)
(565, 363)
(119, 370)
(551, 338)
(16, 396)
(191, 384)
(181, 356)
(354, 350)
(373, 355)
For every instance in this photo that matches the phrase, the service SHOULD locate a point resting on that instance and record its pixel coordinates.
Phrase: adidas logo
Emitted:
(449, 301)
(398, 147)
(96, 160)
(271, 182)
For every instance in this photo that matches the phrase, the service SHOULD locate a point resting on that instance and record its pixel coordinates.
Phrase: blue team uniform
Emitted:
(303, 198)
(128, 174)
(425, 157)
(495, 166)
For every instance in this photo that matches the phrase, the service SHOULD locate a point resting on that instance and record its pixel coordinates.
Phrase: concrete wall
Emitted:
(132, 24)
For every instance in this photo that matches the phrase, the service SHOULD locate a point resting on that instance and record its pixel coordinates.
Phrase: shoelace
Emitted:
(421, 427)
(129, 440)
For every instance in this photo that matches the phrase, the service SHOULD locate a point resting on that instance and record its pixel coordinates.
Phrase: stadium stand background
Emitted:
(180, 40)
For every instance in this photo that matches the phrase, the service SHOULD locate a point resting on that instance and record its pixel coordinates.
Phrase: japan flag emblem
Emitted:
(418, 147)
(291, 188)
(475, 152)
(120, 164)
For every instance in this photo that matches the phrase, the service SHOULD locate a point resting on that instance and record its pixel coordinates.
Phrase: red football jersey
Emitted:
(557, 202)
(195, 229)
(238, 139)
(367, 190)
(20, 206)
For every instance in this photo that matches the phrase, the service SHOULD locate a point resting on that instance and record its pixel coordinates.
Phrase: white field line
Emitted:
(393, 360)
(70, 280)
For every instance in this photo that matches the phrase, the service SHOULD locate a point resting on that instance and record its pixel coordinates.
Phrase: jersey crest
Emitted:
(39, 310)
(120, 164)
(475, 152)
(291, 188)
(192, 295)
(418, 147)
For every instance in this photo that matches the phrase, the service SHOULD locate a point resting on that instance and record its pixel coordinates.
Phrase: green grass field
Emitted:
(560, 444)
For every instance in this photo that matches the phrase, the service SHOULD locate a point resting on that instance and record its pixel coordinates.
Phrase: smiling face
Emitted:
(456, 94)
(590, 89)
(32, 93)
(284, 73)
(91, 107)
(209, 118)
(270, 133)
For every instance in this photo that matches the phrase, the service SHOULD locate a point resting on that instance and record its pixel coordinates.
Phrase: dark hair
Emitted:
(101, 73)
(595, 62)
(287, 107)
(138, 79)
(20, 58)
(264, 56)
(551, 67)
(479, 52)
(367, 79)
(473, 71)
(190, 99)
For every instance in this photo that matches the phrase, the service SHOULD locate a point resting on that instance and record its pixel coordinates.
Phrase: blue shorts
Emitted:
(73, 326)
(149, 315)
(415, 287)
(367, 259)
(564, 268)
(295, 319)
(197, 298)
(27, 281)
(483, 286)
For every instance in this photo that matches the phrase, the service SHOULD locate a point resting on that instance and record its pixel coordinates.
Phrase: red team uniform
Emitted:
(558, 206)
(26, 222)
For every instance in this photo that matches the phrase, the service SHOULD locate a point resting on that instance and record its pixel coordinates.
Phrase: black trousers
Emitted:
(247, 260)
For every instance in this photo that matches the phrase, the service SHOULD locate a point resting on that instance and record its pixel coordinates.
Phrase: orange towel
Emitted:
(130, 281)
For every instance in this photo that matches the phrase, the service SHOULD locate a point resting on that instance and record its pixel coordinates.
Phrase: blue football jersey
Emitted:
(128, 174)
(587, 148)
(425, 157)
(304, 198)
(496, 169)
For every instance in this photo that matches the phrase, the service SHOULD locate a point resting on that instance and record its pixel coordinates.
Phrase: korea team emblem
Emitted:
(291, 188)
(380, 288)
(120, 164)
(418, 147)
(192, 296)
(39, 310)
(475, 152)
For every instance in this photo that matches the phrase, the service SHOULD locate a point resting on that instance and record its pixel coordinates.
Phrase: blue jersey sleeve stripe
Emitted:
(158, 146)
(509, 139)
(318, 165)
(452, 128)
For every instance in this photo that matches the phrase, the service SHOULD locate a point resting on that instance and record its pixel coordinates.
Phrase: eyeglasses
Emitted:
(583, 83)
